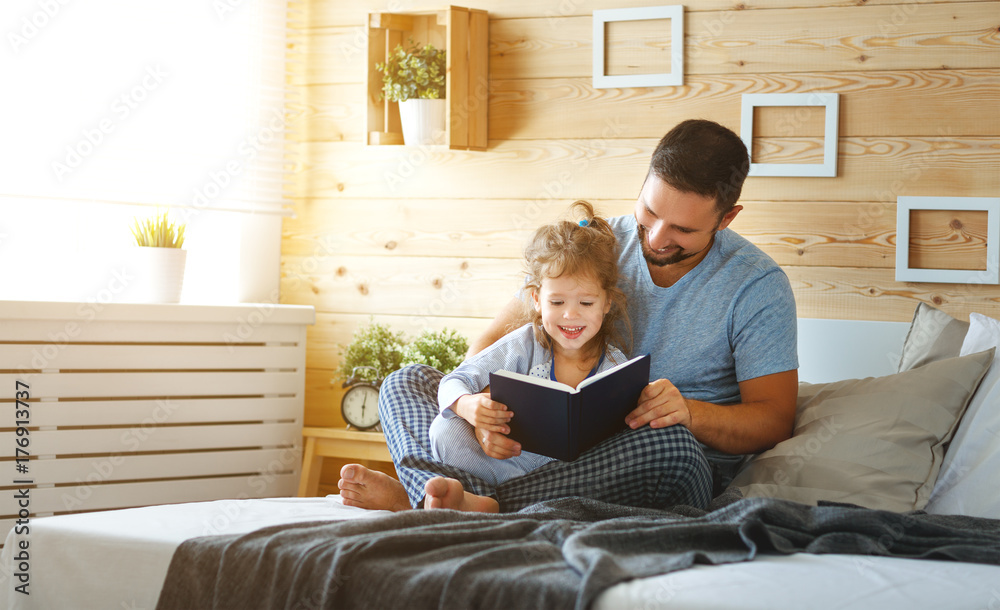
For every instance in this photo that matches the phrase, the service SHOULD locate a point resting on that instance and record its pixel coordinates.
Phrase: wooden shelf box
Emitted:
(463, 33)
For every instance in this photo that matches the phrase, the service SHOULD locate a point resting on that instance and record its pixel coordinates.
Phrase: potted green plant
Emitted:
(415, 79)
(443, 350)
(375, 352)
(158, 261)
(374, 346)
(384, 351)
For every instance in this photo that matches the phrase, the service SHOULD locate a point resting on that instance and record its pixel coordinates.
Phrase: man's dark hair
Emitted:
(703, 157)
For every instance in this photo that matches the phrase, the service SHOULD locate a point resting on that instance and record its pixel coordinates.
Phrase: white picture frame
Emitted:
(904, 273)
(829, 101)
(676, 75)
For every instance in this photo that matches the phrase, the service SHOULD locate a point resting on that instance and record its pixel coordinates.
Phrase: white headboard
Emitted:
(831, 350)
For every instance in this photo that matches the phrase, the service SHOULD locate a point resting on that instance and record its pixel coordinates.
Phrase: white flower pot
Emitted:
(423, 121)
(154, 275)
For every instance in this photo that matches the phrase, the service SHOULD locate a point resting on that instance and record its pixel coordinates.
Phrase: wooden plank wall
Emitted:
(423, 238)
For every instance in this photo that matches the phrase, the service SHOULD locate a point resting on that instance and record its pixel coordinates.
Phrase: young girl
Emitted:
(575, 313)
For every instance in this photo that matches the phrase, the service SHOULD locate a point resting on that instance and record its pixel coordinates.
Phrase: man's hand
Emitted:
(660, 405)
(764, 418)
(483, 413)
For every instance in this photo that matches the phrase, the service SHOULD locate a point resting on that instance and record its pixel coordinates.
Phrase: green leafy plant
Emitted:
(374, 345)
(442, 350)
(414, 73)
(158, 232)
(377, 346)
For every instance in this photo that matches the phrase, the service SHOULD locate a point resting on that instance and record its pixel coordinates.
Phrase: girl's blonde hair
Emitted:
(584, 247)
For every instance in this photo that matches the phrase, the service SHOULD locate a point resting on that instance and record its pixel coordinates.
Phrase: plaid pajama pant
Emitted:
(644, 468)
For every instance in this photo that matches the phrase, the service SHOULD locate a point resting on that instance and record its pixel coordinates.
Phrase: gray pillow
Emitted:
(933, 335)
(876, 442)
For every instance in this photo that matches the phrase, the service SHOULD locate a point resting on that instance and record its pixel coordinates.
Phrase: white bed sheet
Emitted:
(118, 560)
(818, 582)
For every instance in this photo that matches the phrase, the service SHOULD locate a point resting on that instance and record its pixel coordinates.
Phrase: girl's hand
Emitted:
(483, 413)
(497, 445)
(660, 405)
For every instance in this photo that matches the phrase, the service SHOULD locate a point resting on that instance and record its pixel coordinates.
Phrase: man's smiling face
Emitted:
(675, 226)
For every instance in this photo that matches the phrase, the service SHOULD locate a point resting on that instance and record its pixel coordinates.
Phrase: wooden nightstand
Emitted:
(336, 442)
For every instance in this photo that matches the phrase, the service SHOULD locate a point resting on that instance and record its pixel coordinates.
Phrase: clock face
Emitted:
(360, 406)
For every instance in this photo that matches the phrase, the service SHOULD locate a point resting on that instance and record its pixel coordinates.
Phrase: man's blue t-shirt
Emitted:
(729, 319)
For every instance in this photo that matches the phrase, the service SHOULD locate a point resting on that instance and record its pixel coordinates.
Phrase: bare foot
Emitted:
(371, 489)
(449, 493)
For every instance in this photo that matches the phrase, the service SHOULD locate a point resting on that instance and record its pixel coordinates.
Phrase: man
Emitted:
(716, 314)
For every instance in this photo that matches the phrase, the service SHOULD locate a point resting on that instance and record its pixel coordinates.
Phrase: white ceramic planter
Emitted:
(423, 121)
(157, 275)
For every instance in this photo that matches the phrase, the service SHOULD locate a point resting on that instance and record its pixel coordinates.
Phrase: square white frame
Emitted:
(991, 205)
(830, 101)
(676, 76)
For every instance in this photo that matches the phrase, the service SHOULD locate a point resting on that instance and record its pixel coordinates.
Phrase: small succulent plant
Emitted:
(158, 232)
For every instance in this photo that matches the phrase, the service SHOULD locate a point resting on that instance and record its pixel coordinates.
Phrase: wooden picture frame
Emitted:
(829, 101)
(904, 273)
(676, 75)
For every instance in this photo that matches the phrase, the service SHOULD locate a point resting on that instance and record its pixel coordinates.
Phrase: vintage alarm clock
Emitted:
(359, 405)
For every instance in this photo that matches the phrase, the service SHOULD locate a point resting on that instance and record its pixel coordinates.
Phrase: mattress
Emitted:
(119, 559)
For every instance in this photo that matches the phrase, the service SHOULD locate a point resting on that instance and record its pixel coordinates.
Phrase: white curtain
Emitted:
(118, 108)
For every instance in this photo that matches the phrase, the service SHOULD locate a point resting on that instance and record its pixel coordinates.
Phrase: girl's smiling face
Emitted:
(572, 310)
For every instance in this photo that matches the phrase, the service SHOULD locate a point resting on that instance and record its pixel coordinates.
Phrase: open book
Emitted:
(556, 420)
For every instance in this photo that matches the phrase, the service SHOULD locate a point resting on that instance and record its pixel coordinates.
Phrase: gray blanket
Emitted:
(557, 554)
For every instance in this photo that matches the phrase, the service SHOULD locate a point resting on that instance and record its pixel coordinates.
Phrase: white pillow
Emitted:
(967, 484)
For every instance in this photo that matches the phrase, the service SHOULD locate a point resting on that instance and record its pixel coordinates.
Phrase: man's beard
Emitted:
(660, 260)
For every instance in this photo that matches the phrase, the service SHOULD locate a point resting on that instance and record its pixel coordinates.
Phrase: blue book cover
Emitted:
(557, 420)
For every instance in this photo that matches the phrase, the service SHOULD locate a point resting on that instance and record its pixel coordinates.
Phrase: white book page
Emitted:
(603, 374)
(540, 381)
(548, 383)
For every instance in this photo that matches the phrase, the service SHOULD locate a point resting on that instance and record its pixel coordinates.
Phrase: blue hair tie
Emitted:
(584, 223)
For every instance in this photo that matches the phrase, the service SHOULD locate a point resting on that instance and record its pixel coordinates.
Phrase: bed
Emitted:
(934, 380)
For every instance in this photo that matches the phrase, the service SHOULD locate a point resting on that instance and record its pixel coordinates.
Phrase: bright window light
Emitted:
(116, 109)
